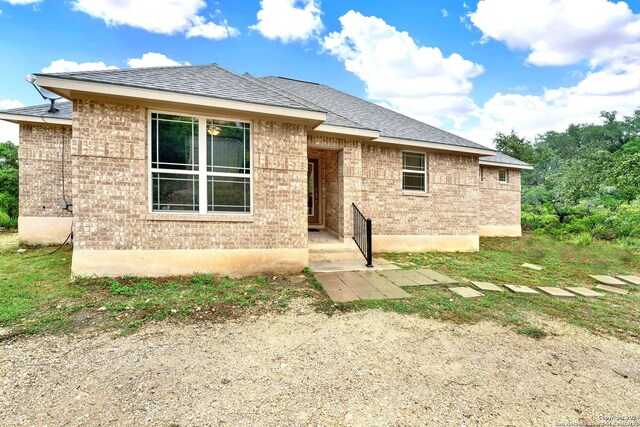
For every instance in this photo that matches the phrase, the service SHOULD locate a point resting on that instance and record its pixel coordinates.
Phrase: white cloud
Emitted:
(157, 16)
(444, 13)
(9, 131)
(63, 66)
(289, 20)
(609, 89)
(416, 80)
(153, 59)
(22, 2)
(561, 32)
(211, 30)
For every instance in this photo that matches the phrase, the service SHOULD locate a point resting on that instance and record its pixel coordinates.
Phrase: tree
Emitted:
(514, 146)
(8, 182)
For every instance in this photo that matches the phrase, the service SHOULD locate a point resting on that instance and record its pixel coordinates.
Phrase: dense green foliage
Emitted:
(8, 185)
(586, 180)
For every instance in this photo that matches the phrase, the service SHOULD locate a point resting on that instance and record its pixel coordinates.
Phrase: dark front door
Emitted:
(313, 196)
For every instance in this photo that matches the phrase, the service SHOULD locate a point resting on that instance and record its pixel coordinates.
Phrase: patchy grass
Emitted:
(38, 295)
(498, 261)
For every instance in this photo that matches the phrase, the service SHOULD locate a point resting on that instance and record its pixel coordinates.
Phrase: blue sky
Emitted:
(474, 67)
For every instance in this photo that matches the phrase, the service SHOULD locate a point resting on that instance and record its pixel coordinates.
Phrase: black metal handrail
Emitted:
(362, 234)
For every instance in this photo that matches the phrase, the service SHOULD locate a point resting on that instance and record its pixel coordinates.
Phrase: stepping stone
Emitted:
(466, 292)
(612, 289)
(384, 285)
(398, 278)
(634, 280)
(420, 279)
(519, 289)
(532, 266)
(585, 292)
(362, 288)
(556, 292)
(486, 286)
(440, 278)
(608, 280)
(335, 288)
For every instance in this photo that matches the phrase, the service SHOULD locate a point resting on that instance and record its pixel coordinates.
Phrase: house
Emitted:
(177, 170)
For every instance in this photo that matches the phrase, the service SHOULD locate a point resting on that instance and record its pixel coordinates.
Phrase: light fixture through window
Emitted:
(214, 131)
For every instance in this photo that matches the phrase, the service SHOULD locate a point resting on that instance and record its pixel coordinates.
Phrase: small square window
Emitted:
(503, 176)
(414, 172)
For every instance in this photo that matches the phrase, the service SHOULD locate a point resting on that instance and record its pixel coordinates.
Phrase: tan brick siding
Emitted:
(499, 203)
(40, 156)
(110, 179)
(371, 176)
(449, 207)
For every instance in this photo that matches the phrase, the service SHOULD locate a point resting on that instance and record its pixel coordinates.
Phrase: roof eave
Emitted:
(436, 146)
(65, 86)
(505, 165)
(346, 131)
(28, 119)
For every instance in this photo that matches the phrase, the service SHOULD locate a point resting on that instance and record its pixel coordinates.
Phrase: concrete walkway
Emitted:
(347, 286)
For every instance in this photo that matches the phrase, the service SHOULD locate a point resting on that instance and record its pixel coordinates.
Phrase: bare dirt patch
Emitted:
(304, 368)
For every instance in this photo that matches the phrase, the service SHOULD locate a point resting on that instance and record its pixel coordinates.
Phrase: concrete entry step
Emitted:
(556, 292)
(440, 278)
(584, 292)
(486, 286)
(608, 280)
(520, 289)
(612, 289)
(634, 280)
(466, 292)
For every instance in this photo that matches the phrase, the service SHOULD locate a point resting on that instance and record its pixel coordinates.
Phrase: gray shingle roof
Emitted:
(368, 115)
(42, 110)
(206, 80)
(214, 81)
(503, 158)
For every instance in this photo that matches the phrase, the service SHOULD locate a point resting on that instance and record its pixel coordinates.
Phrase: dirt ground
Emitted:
(303, 368)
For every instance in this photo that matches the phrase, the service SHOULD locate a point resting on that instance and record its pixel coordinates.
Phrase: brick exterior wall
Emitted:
(449, 207)
(40, 156)
(499, 203)
(372, 177)
(110, 187)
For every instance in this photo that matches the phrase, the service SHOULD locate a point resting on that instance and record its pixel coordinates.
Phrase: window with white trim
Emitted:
(503, 176)
(216, 180)
(414, 171)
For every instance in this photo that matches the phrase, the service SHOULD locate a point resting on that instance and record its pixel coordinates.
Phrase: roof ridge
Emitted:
(319, 84)
(119, 70)
(281, 92)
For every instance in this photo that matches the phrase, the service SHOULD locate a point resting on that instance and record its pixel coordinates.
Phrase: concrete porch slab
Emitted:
(612, 289)
(384, 285)
(520, 289)
(336, 289)
(608, 280)
(584, 292)
(325, 266)
(556, 292)
(440, 278)
(634, 280)
(466, 292)
(399, 278)
(486, 286)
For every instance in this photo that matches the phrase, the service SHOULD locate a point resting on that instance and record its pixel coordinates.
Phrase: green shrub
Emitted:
(583, 239)
(6, 221)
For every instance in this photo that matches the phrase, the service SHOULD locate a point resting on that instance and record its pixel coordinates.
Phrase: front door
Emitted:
(313, 196)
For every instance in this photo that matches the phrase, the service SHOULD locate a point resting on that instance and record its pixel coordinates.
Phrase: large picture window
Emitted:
(200, 165)
(414, 172)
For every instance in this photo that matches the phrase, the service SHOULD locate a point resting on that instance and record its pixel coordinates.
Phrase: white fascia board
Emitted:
(63, 86)
(344, 130)
(436, 146)
(20, 118)
(505, 165)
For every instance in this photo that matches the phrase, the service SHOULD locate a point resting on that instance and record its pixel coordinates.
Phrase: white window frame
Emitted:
(202, 173)
(424, 172)
(506, 176)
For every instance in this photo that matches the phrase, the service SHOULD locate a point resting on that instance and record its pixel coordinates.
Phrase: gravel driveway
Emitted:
(303, 368)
